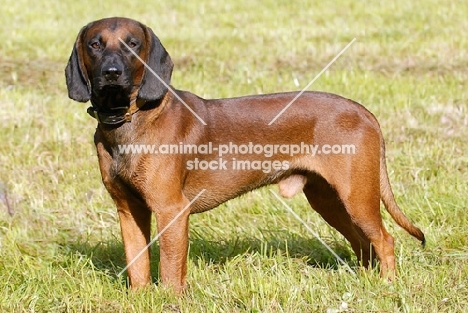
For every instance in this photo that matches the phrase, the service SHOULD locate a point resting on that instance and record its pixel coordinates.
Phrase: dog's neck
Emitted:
(114, 107)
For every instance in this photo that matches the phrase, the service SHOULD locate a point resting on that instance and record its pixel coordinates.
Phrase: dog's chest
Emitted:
(123, 165)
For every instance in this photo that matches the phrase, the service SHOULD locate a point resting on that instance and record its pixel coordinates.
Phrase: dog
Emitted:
(123, 69)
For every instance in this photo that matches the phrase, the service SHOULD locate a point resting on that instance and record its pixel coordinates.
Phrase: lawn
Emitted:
(60, 244)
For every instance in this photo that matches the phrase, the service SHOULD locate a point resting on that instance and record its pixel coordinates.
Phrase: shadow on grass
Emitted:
(109, 256)
(311, 250)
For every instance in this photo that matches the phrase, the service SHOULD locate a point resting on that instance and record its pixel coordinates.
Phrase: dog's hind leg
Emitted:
(363, 207)
(325, 200)
(360, 194)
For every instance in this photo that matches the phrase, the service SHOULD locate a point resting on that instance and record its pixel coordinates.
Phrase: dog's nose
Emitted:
(112, 73)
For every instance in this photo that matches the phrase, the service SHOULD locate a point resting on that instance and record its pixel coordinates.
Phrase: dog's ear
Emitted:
(160, 63)
(78, 84)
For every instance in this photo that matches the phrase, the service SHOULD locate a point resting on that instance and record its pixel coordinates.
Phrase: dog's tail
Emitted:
(388, 200)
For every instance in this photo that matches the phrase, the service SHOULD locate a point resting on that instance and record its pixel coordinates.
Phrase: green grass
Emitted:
(60, 246)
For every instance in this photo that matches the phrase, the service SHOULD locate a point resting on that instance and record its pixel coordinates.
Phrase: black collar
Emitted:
(115, 116)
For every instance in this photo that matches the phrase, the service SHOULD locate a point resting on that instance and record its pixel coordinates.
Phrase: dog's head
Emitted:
(104, 65)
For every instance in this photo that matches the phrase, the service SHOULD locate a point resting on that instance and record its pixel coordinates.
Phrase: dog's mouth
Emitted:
(112, 90)
(111, 96)
(113, 87)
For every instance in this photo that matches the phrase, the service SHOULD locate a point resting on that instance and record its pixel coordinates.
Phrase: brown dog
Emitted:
(235, 152)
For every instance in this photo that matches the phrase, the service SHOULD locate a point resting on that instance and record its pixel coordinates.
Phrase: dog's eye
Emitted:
(95, 45)
(132, 43)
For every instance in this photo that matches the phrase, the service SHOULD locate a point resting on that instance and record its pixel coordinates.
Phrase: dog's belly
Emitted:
(221, 186)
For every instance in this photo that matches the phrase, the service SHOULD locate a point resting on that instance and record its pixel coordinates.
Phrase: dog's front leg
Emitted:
(173, 225)
(135, 222)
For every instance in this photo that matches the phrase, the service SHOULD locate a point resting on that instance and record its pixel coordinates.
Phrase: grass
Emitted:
(60, 246)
